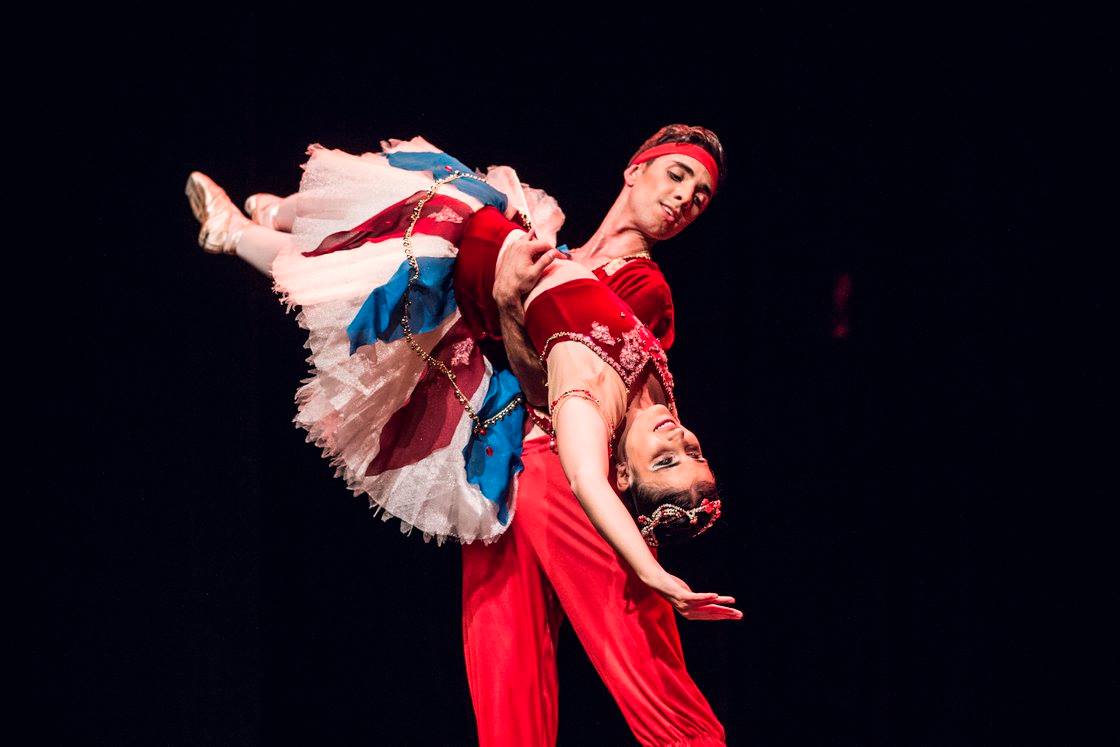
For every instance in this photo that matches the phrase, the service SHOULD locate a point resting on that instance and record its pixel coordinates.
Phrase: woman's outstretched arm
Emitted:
(582, 438)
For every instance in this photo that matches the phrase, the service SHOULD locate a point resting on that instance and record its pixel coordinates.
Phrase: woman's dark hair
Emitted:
(644, 498)
(680, 133)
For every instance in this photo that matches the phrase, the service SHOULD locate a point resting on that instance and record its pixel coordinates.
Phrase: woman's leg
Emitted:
(226, 231)
(511, 620)
(628, 630)
(272, 211)
(258, 246)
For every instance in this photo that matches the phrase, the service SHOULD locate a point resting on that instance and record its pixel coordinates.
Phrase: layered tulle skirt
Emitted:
(391, 422)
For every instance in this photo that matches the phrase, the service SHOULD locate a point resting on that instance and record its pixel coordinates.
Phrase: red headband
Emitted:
(687, 149)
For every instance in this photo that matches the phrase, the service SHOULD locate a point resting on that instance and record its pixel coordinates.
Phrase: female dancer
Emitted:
(393, 365)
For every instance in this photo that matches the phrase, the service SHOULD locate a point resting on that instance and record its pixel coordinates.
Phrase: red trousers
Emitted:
(551, 562)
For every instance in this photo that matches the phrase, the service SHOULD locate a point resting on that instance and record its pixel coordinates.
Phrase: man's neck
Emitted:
(617, 236)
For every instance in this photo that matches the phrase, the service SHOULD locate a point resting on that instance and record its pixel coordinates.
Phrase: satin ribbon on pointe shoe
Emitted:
(221, 220)
(262, 208)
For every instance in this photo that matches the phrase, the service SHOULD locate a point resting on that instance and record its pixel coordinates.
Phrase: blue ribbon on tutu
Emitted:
(493, 456)
(433, 300)
(440, 165)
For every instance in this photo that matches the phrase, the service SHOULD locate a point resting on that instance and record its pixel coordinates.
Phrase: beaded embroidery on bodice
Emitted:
(585, 311)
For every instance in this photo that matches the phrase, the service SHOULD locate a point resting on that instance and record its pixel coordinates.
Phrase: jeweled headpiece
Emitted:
(668, 511)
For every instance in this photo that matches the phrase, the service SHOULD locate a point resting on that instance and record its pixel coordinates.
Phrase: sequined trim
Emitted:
(631, 355)
(542, 421)
(627, 378)
(582, 394)
(616, 264)
(634, 355)
(602, 333)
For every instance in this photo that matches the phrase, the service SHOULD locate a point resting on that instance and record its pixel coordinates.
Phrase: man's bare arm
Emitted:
(519, 268)
(523, 360)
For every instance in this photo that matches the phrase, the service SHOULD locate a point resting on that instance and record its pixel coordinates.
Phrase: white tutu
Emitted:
(346, 402)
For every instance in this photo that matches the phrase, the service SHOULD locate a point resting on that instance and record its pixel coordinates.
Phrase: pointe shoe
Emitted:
(262, 208)
(221, 221)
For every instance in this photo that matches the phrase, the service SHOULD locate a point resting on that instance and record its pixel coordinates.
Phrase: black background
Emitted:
(212, 583)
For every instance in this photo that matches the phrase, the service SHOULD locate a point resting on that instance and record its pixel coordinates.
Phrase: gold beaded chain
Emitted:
(480, 425)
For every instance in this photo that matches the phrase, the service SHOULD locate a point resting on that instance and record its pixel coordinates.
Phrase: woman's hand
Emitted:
(691, 605)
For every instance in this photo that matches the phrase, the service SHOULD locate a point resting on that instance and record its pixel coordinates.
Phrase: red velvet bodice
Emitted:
(588, 312)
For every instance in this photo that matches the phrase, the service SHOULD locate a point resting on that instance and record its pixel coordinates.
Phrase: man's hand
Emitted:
(520, 267)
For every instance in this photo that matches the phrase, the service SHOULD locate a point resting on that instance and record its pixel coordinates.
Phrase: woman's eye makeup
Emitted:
(670, 461)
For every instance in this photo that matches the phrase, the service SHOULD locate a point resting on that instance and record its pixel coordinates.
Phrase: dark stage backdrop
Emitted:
(212, 583)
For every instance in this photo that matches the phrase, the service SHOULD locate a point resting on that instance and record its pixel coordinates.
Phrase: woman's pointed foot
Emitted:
(221, 221)
(262, 208)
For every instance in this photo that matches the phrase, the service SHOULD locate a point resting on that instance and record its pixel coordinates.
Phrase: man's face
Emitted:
(668, 193)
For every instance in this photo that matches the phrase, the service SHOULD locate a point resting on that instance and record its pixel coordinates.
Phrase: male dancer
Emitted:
(551, 562)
